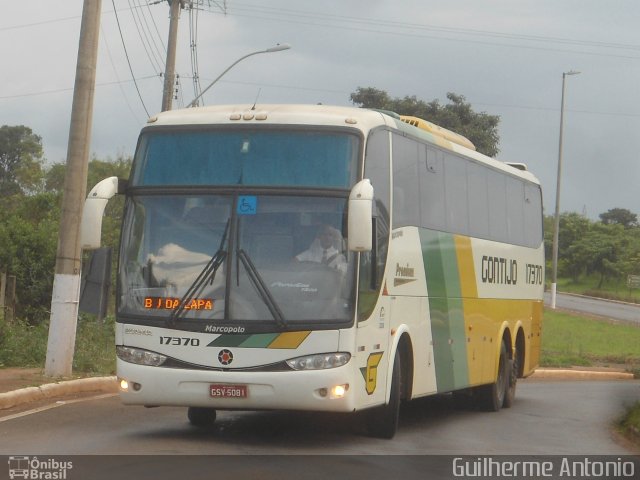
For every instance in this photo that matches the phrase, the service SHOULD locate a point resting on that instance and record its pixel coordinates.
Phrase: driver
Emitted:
(326, 249)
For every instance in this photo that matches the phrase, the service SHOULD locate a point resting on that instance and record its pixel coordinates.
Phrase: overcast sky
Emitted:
(505, 56)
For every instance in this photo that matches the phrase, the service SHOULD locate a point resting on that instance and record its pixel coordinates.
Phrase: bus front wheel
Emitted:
(201, 417)
(383, 421)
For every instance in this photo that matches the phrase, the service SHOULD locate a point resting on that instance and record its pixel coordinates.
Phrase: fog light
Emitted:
(124, 385)
(339, 391)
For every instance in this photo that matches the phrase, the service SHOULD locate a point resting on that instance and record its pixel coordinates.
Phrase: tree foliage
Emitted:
(619, 216)
(609, 249)
(457, 115)
(30, 216)
(20, 160)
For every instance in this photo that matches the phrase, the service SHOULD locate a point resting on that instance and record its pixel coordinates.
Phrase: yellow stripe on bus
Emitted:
(289, 340)
(466, 270)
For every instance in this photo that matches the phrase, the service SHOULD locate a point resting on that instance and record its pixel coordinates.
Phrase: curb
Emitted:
(50, 390)
(569, 374)
(622, 302)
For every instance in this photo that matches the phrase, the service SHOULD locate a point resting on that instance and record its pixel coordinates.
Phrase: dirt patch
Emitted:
(16, 378)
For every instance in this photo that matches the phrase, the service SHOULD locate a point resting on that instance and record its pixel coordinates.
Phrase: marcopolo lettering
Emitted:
(499, 270)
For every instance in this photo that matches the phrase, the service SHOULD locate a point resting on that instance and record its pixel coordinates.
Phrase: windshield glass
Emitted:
(246, 157)
(236, 258)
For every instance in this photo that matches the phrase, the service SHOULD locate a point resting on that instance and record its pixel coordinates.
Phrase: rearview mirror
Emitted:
(94, 205)
(360, 217)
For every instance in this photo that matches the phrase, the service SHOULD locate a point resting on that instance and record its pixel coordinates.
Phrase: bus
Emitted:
(320, 258)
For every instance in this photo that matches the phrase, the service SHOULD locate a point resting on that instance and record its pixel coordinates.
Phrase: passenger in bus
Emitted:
(326, 249)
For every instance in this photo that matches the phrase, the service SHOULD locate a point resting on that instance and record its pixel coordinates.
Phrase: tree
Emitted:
(28, 249)
(20, 160)
(600, 251)
(573, 227)
(29, 234)
(458, 116)
(619, 216)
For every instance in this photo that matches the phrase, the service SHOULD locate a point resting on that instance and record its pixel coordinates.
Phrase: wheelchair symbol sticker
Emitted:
(247, 205)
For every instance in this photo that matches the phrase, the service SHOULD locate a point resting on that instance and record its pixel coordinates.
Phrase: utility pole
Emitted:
(170, 68)
(66, 283)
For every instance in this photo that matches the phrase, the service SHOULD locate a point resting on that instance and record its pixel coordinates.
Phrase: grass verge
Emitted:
(612, 289)
(572, 340)
(24, 345)
(629, 424)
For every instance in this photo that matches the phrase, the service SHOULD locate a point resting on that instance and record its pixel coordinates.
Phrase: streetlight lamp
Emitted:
(279, 47)
(556, 225)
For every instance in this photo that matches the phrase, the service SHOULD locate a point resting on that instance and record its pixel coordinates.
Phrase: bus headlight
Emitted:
(139, 356)
(319, 362)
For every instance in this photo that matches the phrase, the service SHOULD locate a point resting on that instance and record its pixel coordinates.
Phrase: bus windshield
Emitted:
(295, 158)
(236, 258)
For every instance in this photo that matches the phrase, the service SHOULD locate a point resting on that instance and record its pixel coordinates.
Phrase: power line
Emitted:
(153, 45)
(430, 27)
(155, 25)
(70, 89)
(412, 30)
(144, 40)
(193, 35)
(36, 24)
(128, 61)
(115, 72)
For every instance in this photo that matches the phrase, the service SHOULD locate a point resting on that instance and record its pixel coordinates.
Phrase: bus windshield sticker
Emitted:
(247, 205)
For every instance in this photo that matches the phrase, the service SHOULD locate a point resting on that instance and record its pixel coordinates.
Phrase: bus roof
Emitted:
(362, 119)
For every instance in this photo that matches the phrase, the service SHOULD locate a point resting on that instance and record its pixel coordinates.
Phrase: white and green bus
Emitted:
(320, 258)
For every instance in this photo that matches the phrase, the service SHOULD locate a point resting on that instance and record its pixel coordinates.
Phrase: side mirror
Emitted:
(360, 217)
(94, 205)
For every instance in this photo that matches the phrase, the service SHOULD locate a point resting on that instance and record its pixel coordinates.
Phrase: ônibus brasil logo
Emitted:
(37, 469)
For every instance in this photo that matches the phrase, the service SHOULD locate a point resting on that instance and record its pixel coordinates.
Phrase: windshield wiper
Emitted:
(207, 275)
(262, 289)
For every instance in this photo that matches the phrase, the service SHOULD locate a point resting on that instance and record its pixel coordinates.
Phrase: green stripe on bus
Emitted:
(229, 340)
(446, 309)
(259, 340)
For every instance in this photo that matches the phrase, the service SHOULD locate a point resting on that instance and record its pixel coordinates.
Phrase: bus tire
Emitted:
(492, 396)
(201, 417)
(383, 421)
(510, 393)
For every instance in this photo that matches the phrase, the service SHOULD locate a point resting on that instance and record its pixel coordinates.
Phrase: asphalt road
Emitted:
(549, 417)
(116, 441)
(594, 306)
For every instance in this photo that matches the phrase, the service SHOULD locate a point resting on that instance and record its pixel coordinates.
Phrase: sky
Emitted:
(506, 57)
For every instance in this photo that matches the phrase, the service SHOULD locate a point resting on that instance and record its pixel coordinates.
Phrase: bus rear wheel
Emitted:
(492, 396)
(201, 417)
(383, 421)
(510, 393)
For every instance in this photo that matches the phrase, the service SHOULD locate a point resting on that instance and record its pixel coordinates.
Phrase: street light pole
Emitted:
(556, 223)
(277, 48)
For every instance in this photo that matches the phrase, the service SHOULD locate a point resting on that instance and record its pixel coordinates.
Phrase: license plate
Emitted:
(228, 391)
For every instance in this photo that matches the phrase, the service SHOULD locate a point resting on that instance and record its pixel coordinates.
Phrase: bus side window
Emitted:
(372, 264)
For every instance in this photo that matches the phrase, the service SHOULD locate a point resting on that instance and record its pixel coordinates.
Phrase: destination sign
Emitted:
(170, 303)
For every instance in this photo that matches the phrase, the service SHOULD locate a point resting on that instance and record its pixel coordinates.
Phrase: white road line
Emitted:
(59, 403)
